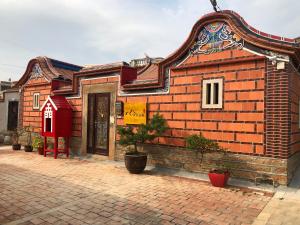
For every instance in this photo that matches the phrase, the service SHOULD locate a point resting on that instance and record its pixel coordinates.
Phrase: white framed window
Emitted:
(36, 101)
(212, 93)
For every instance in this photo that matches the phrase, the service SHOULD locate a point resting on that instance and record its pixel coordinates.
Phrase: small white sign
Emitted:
(112, 119)
(280, 65)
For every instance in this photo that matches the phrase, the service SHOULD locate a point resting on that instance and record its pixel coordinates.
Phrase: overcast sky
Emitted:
(103, 31)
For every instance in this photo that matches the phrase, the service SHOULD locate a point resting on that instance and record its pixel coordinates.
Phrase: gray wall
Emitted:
(9, 96)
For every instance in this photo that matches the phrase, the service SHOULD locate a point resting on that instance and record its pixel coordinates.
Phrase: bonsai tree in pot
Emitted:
(201, 145)
(38, 143)
(130, 136)
(28, 146)
(15, 138)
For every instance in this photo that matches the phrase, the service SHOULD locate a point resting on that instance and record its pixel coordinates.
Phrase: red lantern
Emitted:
(56, 122)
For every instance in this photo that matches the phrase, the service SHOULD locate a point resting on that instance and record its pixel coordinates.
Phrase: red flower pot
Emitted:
(218, 179)
(41, 151)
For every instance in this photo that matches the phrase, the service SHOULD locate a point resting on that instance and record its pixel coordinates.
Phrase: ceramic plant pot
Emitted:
(28, 148)
(135, 162)
(16, 147)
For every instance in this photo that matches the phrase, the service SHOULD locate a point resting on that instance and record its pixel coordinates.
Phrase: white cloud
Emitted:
(102, 31)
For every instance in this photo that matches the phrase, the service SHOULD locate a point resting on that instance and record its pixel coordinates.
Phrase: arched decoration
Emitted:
(216, 37)
(235, 26)
(43, 67)
(36, 68)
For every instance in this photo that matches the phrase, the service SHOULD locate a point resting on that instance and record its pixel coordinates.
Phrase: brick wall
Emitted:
(278, 115)
(76, 104)
(32, 117)
(294, 104)
(21, 108)
(239, 126)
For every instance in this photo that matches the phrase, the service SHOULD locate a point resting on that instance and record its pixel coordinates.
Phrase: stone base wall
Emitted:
(75, 145)
(293, 164)
(242, 166)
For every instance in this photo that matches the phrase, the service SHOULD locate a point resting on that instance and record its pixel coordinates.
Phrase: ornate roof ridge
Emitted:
(253, 29)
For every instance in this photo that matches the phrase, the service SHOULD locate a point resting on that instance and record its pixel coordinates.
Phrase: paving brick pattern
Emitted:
(37, 190)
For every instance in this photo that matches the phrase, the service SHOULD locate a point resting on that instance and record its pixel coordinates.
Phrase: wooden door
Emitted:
(98, 123)
(12, 120)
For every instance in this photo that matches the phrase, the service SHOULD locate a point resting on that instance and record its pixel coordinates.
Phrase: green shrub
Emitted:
(130, 135)
(202, 145)
(38, 142)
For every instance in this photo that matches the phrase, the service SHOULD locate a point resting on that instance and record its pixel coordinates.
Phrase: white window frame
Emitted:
(220, 93)
(36, 101)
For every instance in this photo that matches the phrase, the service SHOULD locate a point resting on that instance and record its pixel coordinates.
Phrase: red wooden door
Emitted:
(98, 123)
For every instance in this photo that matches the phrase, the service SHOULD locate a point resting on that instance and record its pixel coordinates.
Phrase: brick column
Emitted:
(277, 114)
(21, 108)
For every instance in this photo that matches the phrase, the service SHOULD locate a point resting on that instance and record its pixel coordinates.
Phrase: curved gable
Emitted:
(37, 69)
(218, 27)
(48, 69)
(223, 30)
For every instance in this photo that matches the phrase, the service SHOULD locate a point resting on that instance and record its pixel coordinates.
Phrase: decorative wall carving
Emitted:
(216, 37)
(36, 72)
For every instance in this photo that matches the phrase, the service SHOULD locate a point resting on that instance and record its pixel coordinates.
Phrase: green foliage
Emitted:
(130, 135)
(38, 142)
(202, 145)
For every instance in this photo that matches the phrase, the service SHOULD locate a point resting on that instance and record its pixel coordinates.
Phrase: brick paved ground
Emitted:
(38, 190)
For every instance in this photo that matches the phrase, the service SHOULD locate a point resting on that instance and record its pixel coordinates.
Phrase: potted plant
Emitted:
(38, 143)
(130, 136)
(219, 177)
(15, 139)
(201, 145)
(28, 146)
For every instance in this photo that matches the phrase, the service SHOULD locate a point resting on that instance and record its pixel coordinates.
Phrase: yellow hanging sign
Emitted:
(135, 113)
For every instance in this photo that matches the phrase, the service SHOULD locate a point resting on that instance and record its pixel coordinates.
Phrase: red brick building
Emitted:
(235, 84)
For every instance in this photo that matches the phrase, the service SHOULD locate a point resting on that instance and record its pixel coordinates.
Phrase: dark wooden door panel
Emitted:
(98, 123)
(90, 125)
(12, 120)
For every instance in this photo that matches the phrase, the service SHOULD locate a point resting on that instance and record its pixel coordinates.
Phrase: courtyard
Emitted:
(38, 190)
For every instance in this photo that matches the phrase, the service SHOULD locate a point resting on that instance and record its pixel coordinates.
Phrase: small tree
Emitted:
(28, 131)
(132, 136)
(201, 145)
(16, 135)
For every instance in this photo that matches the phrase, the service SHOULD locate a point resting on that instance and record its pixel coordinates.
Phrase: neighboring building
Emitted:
(235, 84)
(9, 104)
(4, 85)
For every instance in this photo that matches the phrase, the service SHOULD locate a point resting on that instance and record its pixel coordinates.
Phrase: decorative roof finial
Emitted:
(215, 5)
